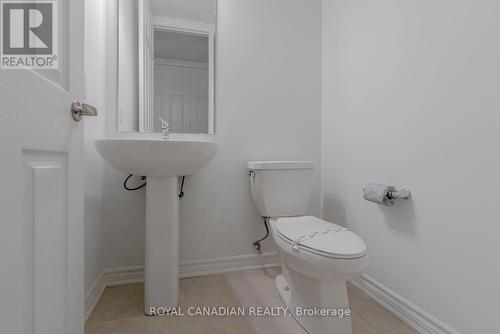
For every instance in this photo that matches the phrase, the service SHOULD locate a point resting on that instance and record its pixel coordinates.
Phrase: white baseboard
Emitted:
(135, 274)
(411, 314)
(227, 264)
(94, 294)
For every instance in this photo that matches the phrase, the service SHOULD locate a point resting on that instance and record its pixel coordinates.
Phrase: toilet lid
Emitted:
(316, 235)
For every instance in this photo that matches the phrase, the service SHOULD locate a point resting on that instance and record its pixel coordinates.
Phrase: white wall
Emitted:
(189, 10)
(267, 107)
(94, 127)
(411, 98)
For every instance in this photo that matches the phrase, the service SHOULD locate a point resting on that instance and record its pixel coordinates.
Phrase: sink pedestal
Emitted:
(161, 286)
(161, 161)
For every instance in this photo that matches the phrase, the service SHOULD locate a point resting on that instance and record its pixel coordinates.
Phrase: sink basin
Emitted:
(161, 161)
(157, 157)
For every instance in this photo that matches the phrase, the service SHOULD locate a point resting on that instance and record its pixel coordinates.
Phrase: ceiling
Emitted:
(189, 10)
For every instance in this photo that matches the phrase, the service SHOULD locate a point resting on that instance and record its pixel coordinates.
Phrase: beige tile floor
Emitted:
(120, 309)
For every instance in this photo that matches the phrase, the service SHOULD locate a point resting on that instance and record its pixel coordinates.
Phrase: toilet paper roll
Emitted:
(379, 194)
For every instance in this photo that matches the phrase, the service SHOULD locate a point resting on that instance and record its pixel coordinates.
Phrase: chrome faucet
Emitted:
(165, 129)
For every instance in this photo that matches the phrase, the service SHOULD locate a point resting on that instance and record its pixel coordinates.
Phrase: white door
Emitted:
(41, 190)
(181, 96)
(172, 96)
(199, 100)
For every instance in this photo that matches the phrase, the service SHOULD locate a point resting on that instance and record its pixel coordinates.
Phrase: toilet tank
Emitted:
(281, 188)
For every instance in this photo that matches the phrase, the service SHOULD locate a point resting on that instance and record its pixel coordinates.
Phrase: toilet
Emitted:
(317, 257)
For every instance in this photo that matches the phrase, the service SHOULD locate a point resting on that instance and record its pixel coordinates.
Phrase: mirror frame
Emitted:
(158, 23)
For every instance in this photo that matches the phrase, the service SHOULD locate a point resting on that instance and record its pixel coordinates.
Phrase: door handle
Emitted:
(78, 110)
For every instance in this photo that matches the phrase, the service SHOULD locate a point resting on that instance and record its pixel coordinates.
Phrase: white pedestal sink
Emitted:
(162, 161)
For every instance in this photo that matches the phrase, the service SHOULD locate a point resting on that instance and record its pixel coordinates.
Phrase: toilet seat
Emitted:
(320, 237)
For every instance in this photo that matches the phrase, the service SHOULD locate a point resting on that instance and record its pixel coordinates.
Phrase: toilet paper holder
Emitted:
(399, 194)
(383, 194)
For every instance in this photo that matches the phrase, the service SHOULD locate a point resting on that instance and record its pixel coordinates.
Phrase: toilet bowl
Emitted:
(318, 257)
(314, 274)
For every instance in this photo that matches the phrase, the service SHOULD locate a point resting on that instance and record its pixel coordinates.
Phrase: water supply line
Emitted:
(143, 178)
(257, 244)
(181, 192)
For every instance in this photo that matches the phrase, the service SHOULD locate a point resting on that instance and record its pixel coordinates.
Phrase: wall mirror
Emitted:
(166, 65)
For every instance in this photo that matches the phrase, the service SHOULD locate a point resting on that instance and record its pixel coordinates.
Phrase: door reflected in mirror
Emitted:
(166, 65)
